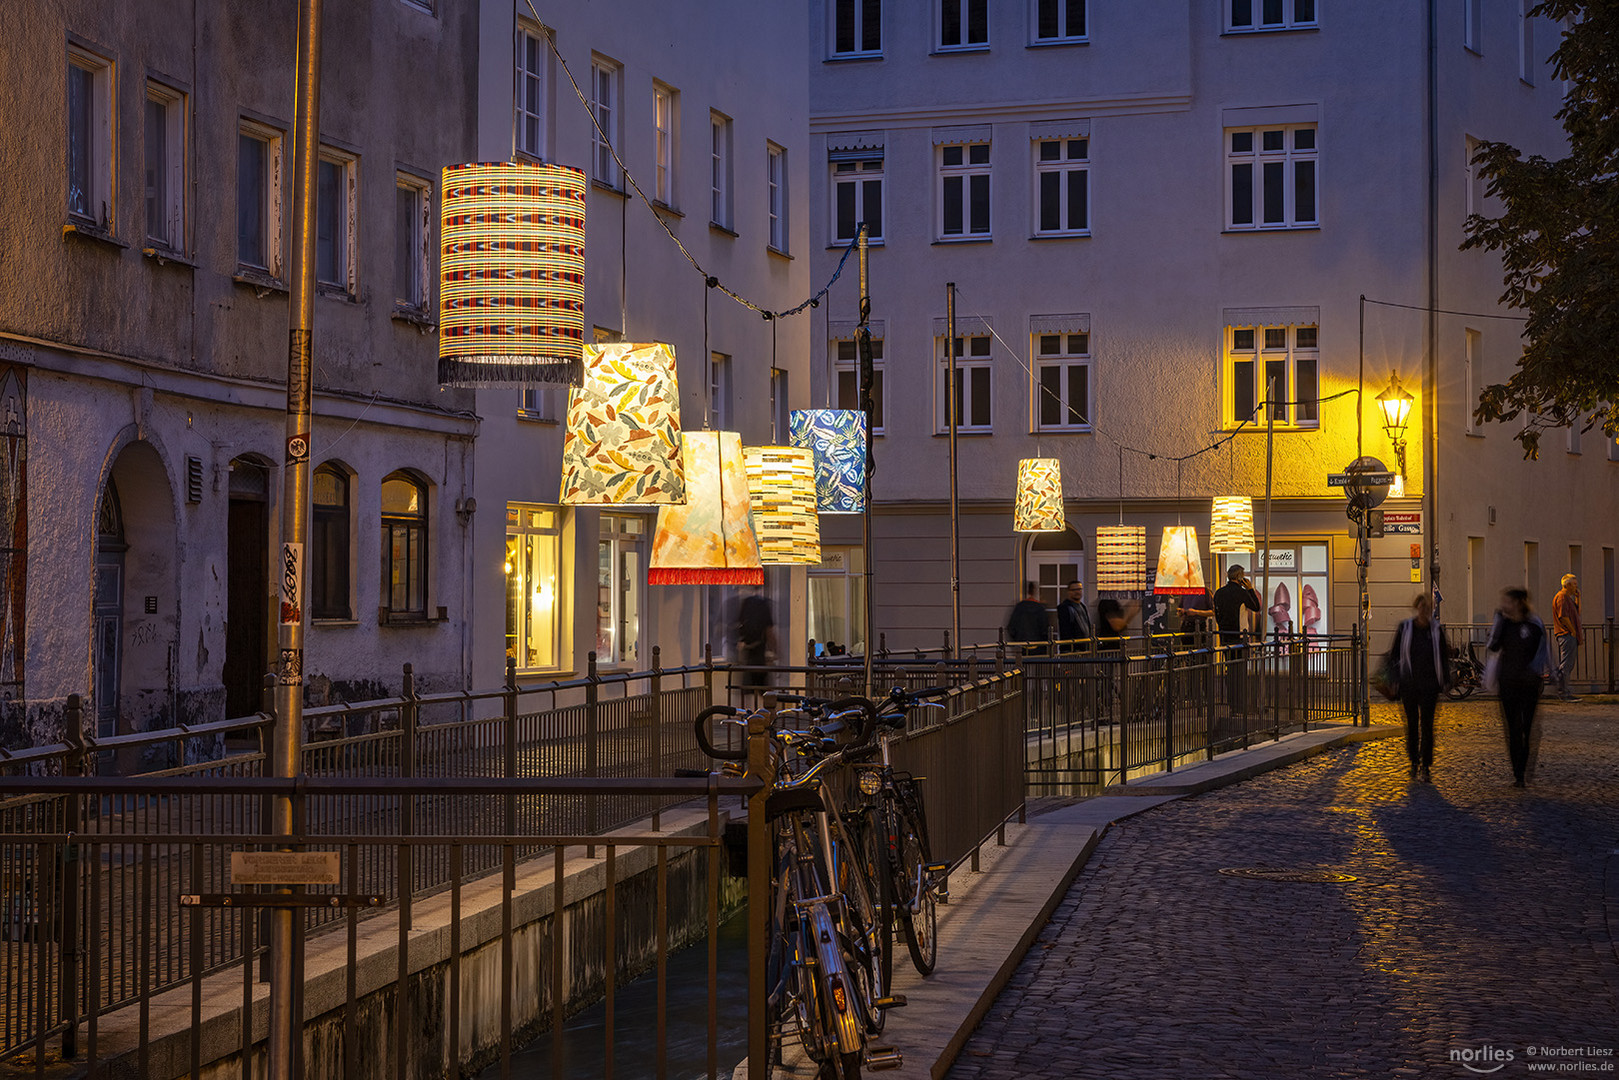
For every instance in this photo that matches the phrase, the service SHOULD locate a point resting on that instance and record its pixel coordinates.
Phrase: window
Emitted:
(837, 601)
(89, 138)
(329, 545)
(533, 89)
(663, 124)
(963, 24)
(857, 27)
(533, 566)
(779, 426)
(1473, 26)
(1062, 388)
(1062, 175)
(1473, 191)
(857, 195)
(258, 198)
(1613, 449)
(1471, 352)
(1271, 14)
(972, 384)
(1058, 22)
(719, 391)
(1288, 358)
(412, 230)
(1574, 437)
(334, 221)
(538, 402)
(1526, 41)
(720, 169)
(776, 180)
(963, 190)
(165, 167)
(848, 375)
(621, 588)
(404, 546)
(605, 81)
(1272, 177)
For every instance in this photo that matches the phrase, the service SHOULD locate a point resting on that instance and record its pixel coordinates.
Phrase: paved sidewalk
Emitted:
(1478, 934)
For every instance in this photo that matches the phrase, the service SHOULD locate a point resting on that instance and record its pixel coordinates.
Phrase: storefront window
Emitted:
(837, 591)
(620, 589)
(1298, 601)
(533, 562)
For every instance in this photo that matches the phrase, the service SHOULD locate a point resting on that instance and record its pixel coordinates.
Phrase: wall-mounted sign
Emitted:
(1402, 521)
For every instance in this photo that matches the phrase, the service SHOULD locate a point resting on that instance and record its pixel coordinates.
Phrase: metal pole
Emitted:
(1363, 548)
(285, 750)
(867, 376)
(1430, 371)
(952, 396)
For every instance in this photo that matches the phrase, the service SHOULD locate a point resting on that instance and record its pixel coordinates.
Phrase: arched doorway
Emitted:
(107, 619)
(247, 566)
(1053, 560)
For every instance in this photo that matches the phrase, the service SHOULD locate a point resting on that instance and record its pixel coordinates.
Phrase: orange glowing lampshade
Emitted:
(1180, 566)
(1039, 496)
(708, 539)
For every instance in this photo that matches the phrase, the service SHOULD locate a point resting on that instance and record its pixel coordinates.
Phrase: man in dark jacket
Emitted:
(1030, 621)
(1073, 620)
(1237, 593)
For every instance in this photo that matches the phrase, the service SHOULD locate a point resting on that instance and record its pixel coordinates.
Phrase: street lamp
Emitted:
(1395, 404)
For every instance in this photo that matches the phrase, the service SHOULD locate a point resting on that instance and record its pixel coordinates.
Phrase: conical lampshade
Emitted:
(837, 437)
(623, 441)
(1121, 558)
(1180, 566)
(512, 274)
(1231, 528)
(781, 488)
(1039, 496)
(708, 540)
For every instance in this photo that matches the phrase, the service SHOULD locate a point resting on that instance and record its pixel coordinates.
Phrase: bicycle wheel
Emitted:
(863, 944)
(918, 919)
(796, 998)
(846, 1067)
(875, 847)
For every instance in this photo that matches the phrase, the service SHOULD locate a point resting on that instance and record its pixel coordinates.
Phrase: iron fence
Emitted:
(1594, 670)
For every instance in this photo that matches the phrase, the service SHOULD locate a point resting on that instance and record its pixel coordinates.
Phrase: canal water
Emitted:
(635, 1021)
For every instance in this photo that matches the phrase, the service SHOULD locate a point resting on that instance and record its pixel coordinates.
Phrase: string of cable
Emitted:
(1445, 311)
(709, 279)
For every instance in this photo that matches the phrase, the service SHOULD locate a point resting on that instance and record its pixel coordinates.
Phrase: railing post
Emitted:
(407, 803)
(1126, 693)
(1169, 700)
(592, 735)
(72, 765)
(266, 812)
(708, 673)
(760, 874)
(946, 653)
(1608, 635)
(1210, 694)
(657, 766)
(509, 711)
(882, 645)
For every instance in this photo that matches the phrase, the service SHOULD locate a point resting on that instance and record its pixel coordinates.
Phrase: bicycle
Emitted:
(1466, 673)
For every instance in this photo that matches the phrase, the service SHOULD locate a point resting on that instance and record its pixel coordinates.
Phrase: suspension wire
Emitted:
(1446, 311)
(629, 178)
(708, 356)
(775, 405)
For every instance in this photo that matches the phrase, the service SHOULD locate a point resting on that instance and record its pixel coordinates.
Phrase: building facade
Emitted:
(1152, 213)
(144, 343)
(716, 137)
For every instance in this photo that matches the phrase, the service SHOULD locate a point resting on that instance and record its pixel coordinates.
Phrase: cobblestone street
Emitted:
(1481, 923)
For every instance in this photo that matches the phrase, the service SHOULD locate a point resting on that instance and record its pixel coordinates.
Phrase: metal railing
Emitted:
(1594, 670)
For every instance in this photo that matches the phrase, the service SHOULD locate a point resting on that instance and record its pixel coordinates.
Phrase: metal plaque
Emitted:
(284, 867)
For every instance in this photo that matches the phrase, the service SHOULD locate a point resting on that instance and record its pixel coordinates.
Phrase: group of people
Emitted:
(1520, 659)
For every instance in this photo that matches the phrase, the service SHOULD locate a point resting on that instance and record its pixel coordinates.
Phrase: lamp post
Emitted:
(1395, 404)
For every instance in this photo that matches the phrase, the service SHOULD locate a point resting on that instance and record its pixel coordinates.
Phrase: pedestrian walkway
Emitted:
(1477, 934)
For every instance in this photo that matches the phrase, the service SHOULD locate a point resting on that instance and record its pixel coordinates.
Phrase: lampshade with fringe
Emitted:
(1180, 565)
(1039, 496)
(1231, 525)
(781, 489)
(837, 437)
(708, 539)
(623, 440)
(1121, 558)
(512, 274)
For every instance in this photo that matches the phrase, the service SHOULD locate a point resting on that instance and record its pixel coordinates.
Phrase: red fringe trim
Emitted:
(1176, 591)
(741, 576)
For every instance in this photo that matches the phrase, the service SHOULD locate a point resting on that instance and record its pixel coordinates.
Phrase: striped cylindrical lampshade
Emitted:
(781, 488)
(1121, 558)
(1231, 528)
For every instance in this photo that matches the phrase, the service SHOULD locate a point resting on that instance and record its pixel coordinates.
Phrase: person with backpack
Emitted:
(1420, 665)
(1518, 655)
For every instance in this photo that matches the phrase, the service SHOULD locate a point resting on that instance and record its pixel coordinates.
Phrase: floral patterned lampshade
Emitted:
(623, 441)
(708, 539)
(1121, 558)
(781, 487)
(512, 274)
(1231, 528)
(1180, 566)
(1039, 496)
(837, 437)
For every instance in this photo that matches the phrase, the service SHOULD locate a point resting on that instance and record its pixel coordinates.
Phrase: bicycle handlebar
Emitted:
(701, 725)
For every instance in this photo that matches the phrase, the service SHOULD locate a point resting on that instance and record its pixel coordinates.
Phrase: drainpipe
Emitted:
(1430, 372)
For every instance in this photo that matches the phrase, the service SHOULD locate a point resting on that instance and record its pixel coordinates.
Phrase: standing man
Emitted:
(1237, 593)
(1073, 620)
(1569, 632)
(755, 639)
(1030, 622)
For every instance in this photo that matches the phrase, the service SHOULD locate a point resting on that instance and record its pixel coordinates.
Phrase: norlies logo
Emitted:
(1485, 1059)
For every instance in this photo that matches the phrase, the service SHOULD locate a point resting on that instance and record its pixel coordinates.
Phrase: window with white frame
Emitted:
(779, 410)
(621, 566)
(1062, 185)
(606, 81)
(336, 212)
(533, 89)
(534, 570)
(412, 240)
(846, 370)
(404, 546)
(1284, 361)
(1057, 22)
(837, 597)
(165, 167)
(1062, 381)
(1472, 351)
(963, 190)
(1243, 16)
(857, 194)
(258, 198)
(776, 191)
(720, 172)
(973, 384)
(89, 137)
(1271, 177)
(1526, 41)
(1473, 26)
(1473, 180)
(719, 391)
(663, 144)
(963, 24)
(856, 27)
(1574, 434)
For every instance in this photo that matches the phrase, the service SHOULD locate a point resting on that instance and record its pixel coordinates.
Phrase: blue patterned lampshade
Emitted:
(837, 437)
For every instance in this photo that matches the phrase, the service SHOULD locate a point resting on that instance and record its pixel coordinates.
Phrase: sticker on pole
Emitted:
(298, 449)
(284, 868)
(292, 583)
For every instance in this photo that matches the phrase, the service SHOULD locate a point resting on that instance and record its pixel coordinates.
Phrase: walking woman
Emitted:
(1518, 640)
(1421, 667)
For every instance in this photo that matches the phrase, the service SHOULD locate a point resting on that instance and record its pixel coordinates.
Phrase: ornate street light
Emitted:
(1395, 404)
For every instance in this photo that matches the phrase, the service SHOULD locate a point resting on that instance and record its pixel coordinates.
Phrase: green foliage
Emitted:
(1559, 242)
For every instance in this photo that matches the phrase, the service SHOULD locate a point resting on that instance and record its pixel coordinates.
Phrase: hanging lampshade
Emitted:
(1231, 528)
(781, 490)
(837, 437)
(708, 540)
(1121, 558)
(512, 274)
(1039, 496)
(1180, 566)
(623, 441)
